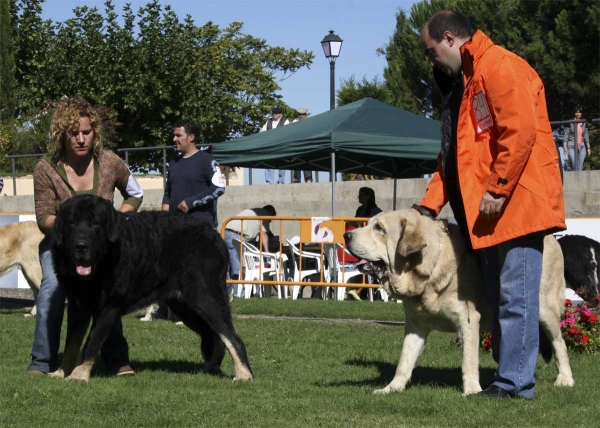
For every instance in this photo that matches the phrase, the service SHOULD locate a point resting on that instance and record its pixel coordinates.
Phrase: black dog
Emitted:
(110, 264)
(582, 268)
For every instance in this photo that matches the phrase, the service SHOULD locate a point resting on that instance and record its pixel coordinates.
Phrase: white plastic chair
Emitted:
(273, 259)
(251, 267)
(339, 272)
(299, 273)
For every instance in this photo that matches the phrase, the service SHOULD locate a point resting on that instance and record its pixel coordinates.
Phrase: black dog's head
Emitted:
(85, 228)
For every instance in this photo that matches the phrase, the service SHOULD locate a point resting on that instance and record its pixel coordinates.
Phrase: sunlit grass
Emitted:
(308, 373)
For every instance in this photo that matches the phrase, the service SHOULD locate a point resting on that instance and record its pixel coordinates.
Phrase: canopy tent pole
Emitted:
(333, 174)
(395, 188)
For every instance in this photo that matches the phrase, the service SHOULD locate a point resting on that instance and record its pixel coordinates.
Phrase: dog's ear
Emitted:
(113, 224)
(56, 234)
(412, 239)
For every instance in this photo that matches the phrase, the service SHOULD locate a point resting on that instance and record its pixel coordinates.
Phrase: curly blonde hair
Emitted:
(65, 120)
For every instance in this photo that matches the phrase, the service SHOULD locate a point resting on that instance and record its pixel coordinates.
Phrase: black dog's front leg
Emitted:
(77, 324)
(100, 330)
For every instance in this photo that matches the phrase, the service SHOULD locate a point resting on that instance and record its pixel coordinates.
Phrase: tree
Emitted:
(352, 90)
(7, 64)
(154, 69)
(559, 39)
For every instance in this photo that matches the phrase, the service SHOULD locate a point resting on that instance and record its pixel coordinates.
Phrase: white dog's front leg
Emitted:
(470, 350)
(414, 342)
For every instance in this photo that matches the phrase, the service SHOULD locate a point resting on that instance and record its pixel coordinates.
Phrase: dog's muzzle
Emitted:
(82, 266)
(376, 269)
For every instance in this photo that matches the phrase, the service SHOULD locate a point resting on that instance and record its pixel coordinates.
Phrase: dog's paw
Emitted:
(58, 374)
(471, 388)
(78, 378)
(79, 375)
(388, 389)
(564, 382)
(248, 378)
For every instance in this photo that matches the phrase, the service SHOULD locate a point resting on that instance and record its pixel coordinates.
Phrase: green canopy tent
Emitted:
(367, 137)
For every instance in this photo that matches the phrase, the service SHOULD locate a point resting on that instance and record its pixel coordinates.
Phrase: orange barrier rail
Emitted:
(319, 241)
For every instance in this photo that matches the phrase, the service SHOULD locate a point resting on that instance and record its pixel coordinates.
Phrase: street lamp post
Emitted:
(332, 45)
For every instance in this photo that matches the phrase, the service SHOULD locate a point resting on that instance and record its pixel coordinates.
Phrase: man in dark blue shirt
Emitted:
(194, 181)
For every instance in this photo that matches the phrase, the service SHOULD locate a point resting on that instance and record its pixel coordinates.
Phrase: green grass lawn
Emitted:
(308, 374)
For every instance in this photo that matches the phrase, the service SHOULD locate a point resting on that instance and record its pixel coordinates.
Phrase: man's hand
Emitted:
(491, 205)
(183, 207)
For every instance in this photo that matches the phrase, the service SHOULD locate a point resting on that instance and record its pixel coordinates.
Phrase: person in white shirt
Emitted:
(277, 120)
(247, 230)
(301, 114)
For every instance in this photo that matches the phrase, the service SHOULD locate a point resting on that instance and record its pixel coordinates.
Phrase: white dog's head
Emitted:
(393, 242)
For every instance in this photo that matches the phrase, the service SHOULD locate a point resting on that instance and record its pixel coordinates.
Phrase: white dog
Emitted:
(427, 265)
(19, 246)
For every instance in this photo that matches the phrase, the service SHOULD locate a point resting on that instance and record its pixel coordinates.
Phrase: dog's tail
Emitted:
(545, 346)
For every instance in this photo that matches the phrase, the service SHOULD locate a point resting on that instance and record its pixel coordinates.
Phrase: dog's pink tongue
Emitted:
(83, 270)
(361, 263)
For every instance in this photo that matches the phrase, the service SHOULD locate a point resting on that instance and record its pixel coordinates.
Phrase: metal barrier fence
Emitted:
(203, 147)
(319, 241)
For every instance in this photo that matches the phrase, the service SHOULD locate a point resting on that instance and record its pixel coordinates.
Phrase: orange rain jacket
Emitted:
(504, 146)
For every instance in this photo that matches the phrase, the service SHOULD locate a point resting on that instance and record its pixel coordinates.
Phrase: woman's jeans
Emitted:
(580, 158)
(48, 322)
(512, 272)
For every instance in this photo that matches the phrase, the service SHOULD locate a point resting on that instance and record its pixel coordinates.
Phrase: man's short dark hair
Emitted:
(270, 209)
(190, 127)
(448, 20)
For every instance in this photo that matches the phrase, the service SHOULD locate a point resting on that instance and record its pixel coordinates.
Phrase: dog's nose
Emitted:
(347, 237)
(81, 246)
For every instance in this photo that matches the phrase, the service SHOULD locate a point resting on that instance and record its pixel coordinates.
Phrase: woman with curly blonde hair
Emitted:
(76, 163)
(67, 117)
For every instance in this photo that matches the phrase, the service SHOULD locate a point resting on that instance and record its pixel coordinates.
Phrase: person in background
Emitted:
(194, 181)
(301, 114)
(277, 120)
(368, 208)
(499, 170)
(75, 164)
(577, 132)
(247, 230)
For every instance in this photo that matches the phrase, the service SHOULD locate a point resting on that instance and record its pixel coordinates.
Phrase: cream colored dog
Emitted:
(19, 246)
(426, 264)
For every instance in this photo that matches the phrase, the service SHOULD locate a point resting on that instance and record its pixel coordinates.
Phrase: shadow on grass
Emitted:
(171, 366)
(438, 377)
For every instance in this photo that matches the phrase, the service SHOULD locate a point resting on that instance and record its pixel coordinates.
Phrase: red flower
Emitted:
(585, 339)
(572, 330)
(568, 302)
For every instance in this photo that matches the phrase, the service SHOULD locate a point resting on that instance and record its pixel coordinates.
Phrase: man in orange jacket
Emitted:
(499, 170)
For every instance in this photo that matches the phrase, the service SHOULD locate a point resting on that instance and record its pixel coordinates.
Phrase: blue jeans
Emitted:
(512, 272)
(270, 176)
(580, 158)
(234, 258)
(48, 322)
